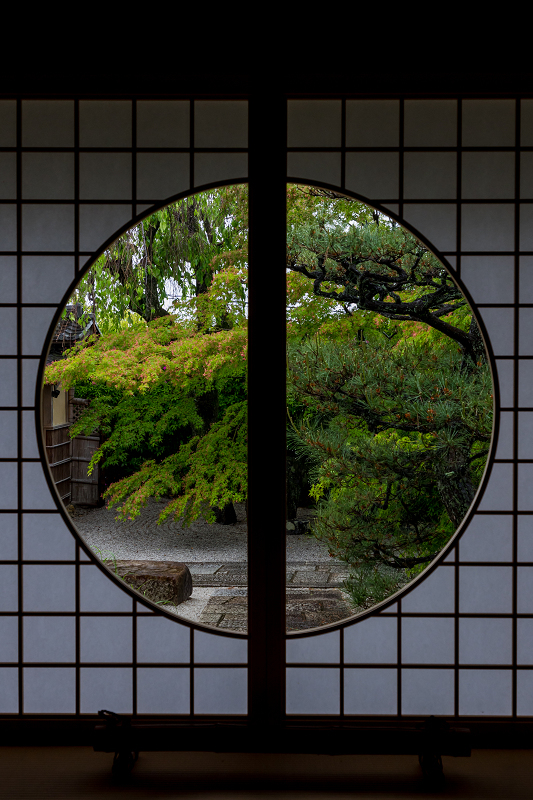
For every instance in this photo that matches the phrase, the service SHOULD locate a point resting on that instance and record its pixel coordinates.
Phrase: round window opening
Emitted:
(389, 408)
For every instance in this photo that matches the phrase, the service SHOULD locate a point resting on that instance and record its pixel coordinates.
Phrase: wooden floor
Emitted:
(78, 773)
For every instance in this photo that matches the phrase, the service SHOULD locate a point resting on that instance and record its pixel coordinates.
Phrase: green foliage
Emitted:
(173, 253)
(206, 472)
(396, 435)
(389, 396)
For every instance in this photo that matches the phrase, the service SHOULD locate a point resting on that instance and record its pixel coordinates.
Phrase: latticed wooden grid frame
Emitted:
(455, 170)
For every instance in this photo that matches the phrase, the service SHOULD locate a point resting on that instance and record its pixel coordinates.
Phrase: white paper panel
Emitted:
(161, 640)
(210, 648)
(314, 123)
(370, 691)
(8, 537)
(99, 222)
(485, 641)
(372, 641)
(8, 176)
(213, 167)
(524, 641)
(47, 123)
(322, 649)
(430, 123)
(526, 279)
(489, 279)
(487, 175)
(35, 491)
(29, 439)
(49, 690)
(317, 167)
(163, 123)
(488, 123)
(47, 538)
(525, 482)
(485, 590)
(428, 691)
(524, 692)
(105, 123)
(220, 123)
(525, 538)
(50, 639)
(526, 122)
(107, 639)
(8, 279)
(9, 639)
(221, 690)
(429, 176)
(8, 382)
(428, 640)
(372, 123)
(46, 278)
(105, 176)
(505, 438)
(8, 485)
(106, 687)
(8, 227)
(434, 595)
(488, 226)
(505, 376)
(161, 175)
(48, 176)
(48, 587)
(8, 434)
(488, 538)
(8, 123)
(36, 323)
(435, 221)
(9, 688)
(485, 692)
(99, 593)
(47, 227)
(373, 175)
(498, 494)
(313, 691)
(500, 326)
(163, 691)
(29, 379)
(524, 579)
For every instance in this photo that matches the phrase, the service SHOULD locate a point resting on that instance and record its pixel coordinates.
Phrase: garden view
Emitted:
(389, 389)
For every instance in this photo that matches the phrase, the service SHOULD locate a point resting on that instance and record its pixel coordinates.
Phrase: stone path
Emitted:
(314, 595)
(306, 608)
(299, 574)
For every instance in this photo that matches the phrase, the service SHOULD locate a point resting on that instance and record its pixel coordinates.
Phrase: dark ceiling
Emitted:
(120, 81)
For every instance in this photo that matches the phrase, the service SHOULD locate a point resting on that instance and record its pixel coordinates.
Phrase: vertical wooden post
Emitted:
(266, 397)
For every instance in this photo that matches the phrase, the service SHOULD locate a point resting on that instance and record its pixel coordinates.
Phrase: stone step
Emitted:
(158, 581)
(305, 609)
(297, 574)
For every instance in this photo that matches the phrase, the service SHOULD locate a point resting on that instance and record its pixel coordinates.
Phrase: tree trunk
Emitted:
(226, 515)
(297, 484)
(456, 492)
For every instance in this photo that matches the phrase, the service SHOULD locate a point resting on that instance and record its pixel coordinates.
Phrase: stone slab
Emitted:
(159, 581)
(303, 573)
(306, 608)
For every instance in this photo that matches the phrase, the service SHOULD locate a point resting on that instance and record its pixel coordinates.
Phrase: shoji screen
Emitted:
(76, 173)
(73, 175)
(459, 173)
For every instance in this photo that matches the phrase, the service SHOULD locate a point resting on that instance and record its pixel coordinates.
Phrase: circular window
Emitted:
(389, 408)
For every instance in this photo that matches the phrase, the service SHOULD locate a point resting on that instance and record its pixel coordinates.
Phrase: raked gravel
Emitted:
(143, 538)
(202, 542)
